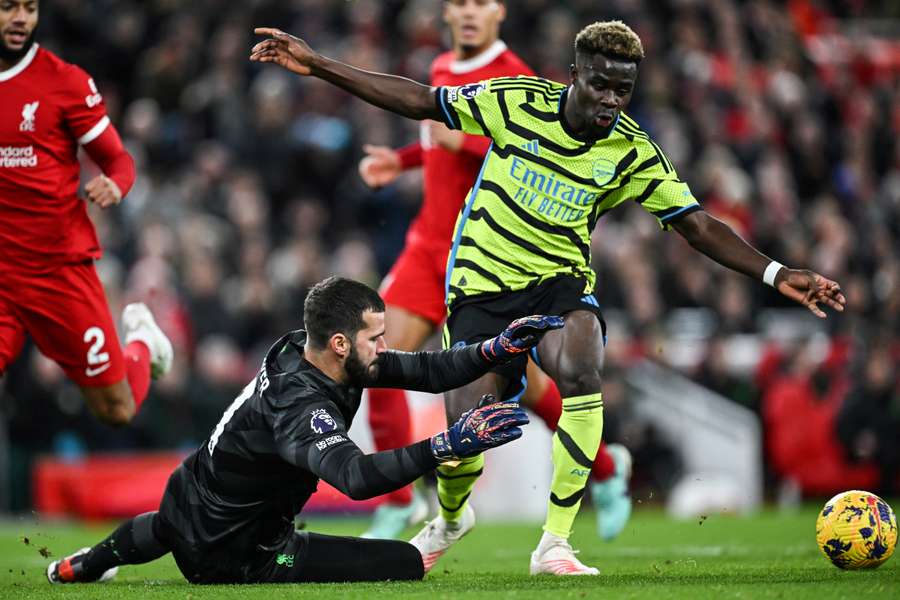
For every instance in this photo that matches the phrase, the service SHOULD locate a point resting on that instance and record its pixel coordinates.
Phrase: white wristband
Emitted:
(771, 272)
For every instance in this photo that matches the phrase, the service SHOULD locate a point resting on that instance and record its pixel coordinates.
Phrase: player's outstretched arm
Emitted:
(333, 457)
(396, 94)
(449, 369)
(718, 241)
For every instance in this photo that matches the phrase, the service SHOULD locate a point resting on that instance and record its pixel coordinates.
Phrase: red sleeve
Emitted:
(410, 156)
(85, 114)
(107, 151)
(476, 145)
(82, 105)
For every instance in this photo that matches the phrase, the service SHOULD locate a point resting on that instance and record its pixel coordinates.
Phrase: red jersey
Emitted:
(49, 108)
(448, 176)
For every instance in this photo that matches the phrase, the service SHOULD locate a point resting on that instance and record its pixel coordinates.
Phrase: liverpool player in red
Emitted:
(414, 289)
(49, 288)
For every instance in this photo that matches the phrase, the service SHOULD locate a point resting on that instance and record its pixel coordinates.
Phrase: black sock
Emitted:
(135, 542)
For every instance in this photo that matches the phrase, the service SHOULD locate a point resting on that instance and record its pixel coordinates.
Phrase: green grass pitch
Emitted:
(770, 555)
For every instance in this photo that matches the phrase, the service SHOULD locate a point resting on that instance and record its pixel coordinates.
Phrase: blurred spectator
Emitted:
(799, 408)
(869, 421)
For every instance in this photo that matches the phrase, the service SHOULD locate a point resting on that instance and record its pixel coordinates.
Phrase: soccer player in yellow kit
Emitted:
(562, 156)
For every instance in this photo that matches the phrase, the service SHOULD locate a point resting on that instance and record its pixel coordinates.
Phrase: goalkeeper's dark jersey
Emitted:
(285, 431)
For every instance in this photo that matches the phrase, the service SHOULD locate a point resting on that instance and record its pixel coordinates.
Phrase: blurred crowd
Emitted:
(782, 116)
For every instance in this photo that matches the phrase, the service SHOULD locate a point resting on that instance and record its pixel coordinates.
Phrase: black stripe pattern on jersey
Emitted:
(476, 114)
(631, 130)
(536, 223)
(627, 125)
(627, 160)
(548, 90)
(541, 115)
(528, 134)
(664, 162)
(467, 241)
(544, 83)
(549, 95)
(481, 214)
(473, 266)
(648, 191)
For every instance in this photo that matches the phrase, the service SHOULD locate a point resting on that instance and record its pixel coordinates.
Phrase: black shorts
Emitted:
(477, 319)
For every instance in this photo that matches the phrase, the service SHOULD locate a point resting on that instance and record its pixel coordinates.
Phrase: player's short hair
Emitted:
(613, 39)
(336, 305)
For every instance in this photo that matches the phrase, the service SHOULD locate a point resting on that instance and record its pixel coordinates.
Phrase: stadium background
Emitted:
(782, 116)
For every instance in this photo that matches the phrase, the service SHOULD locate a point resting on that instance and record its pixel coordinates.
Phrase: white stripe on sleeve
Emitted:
(94, 131)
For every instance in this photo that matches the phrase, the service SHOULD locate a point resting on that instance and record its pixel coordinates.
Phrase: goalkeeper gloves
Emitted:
(521, 336)
(486, 426)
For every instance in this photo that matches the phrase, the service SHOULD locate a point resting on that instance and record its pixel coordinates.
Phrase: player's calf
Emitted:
(458, 401)
(573, 357)
(112, 404)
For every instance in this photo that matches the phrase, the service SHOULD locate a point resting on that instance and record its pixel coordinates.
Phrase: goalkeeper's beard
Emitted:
(14, 56)
(358, 373)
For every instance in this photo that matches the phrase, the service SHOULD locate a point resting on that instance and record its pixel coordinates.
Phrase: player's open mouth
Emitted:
(604, 120)
(469, 30)
(16, 37)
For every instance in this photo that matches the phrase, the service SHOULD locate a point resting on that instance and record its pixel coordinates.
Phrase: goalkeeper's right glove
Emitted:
(488, 425)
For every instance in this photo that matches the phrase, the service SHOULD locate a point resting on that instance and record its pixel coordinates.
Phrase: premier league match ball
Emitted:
(857, 530)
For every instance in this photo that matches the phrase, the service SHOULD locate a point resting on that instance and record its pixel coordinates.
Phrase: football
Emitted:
(856, 530)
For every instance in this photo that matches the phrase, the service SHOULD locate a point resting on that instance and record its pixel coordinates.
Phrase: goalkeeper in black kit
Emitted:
(228, 511)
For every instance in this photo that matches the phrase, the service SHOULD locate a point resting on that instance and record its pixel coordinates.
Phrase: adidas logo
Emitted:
(532, 147)
(462, 281)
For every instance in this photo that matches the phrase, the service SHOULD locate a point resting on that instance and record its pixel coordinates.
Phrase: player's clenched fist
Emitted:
(521, 335)
(283, 49)
(486, 426)
(103, 191)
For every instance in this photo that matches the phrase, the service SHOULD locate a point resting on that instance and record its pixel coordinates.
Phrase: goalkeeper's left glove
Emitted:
(486, 426)
(521, 336)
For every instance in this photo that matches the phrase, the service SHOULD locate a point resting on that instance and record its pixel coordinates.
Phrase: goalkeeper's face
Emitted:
(361, 363)
(602, 88)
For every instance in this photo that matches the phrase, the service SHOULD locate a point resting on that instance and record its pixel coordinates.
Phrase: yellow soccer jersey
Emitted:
(529, 215)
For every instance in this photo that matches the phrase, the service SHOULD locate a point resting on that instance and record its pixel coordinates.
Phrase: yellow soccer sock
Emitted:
(575, 445)
(455, 483)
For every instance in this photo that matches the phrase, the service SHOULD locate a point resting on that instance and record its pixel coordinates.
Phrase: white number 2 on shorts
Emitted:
(94, 356)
